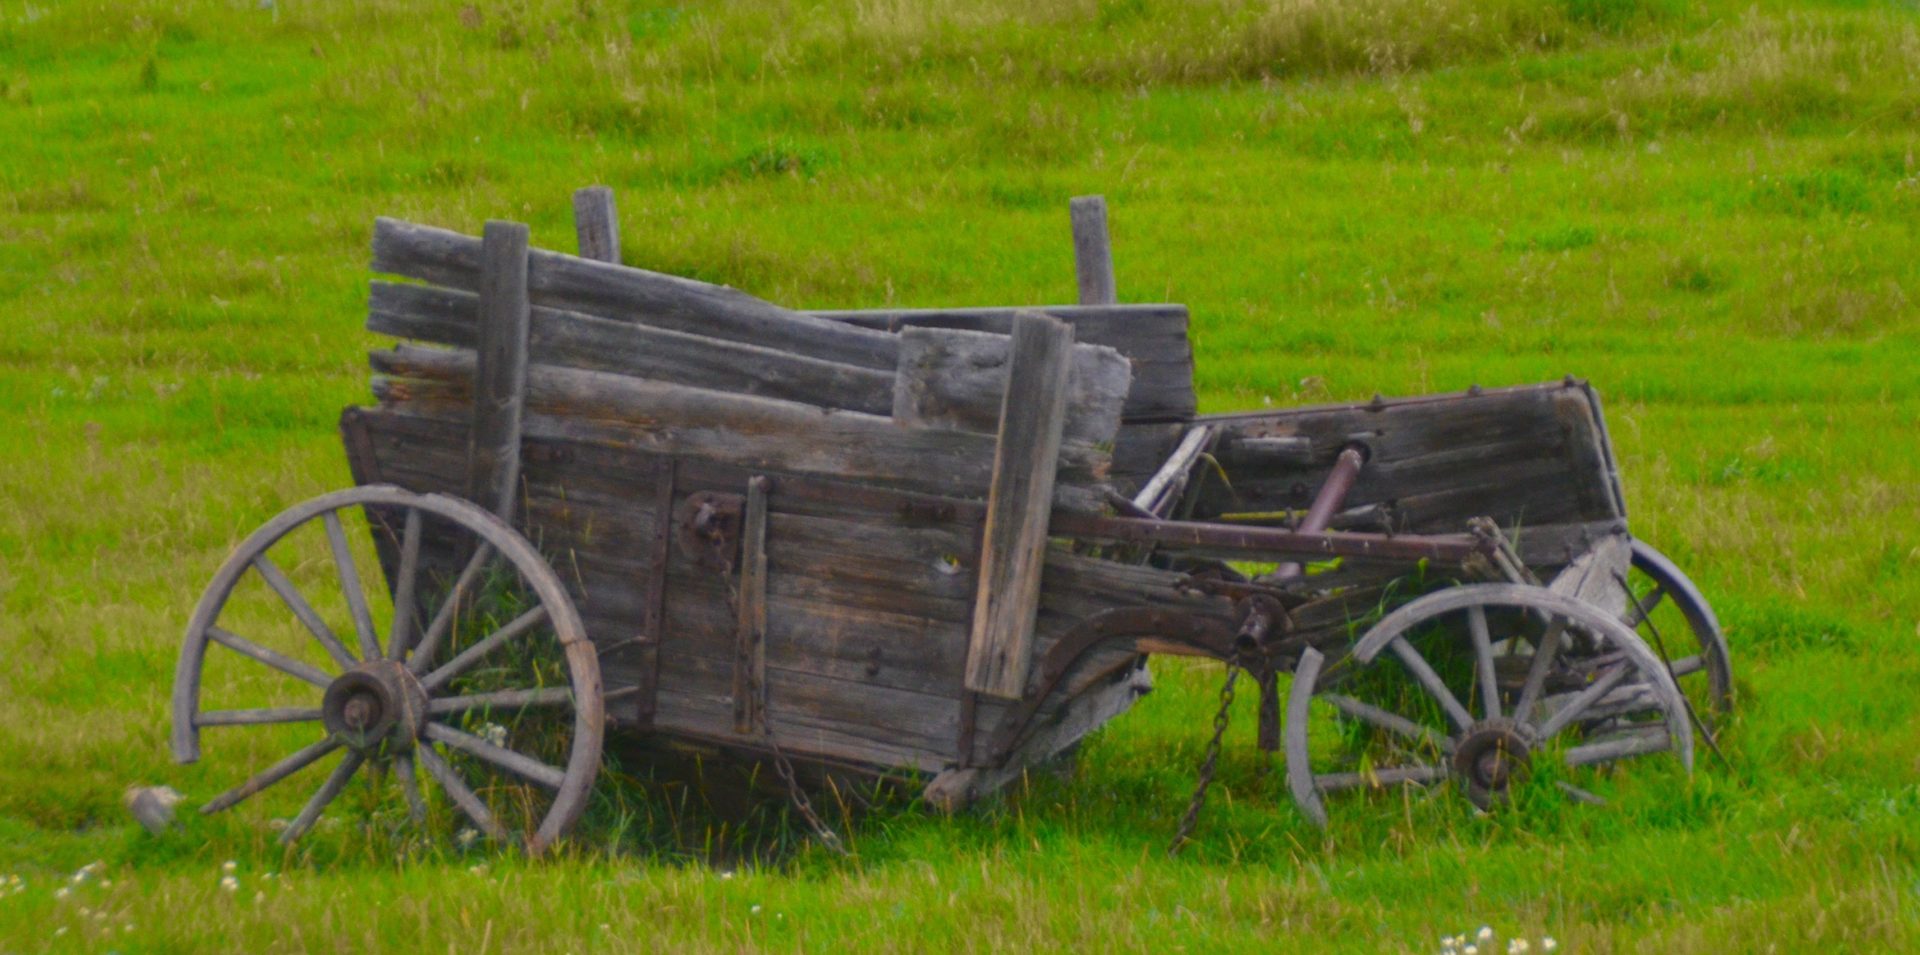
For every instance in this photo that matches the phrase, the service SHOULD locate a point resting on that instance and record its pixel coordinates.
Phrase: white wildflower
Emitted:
(128, 927)
(755, 910)
(62, 892)
(259, 897)
(1470, 950)
(726, 875)
(495, 734)
(604, 927)
(62, 930)
(480, 869)
(466, 837)
(229, 883)
(1517, 945)
(1548, 944)
(1485, 935)
(229, 866)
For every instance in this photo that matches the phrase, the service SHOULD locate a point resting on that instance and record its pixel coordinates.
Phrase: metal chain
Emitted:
(1208, 763)
(782, 766)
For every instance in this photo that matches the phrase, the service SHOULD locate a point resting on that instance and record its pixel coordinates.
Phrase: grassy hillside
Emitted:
(1708, 207)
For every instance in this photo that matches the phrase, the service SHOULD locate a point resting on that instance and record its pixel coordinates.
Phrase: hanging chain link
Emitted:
(1208, 763)
(782, 766)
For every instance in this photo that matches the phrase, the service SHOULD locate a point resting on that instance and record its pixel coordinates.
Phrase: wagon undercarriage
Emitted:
(933, 544)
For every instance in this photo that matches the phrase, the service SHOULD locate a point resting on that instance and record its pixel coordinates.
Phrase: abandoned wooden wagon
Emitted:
(926, 544)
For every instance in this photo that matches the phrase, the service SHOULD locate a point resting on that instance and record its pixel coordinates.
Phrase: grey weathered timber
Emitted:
(613, 291)
(1026, 459)
(750, 632)
(619, 411)
(500, 377)
(1433, 462)
(575, 340)
(958, 379)
(1152, 337)
(1092, 250)
(1598, 576)
(596, 224)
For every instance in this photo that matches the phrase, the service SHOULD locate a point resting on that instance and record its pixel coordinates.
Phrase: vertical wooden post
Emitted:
(1092, 253)
(1032, 419)
(598, 227)
(500, 380)
(750, 636)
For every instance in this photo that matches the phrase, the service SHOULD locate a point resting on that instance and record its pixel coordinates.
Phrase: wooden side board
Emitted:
(556, 280)
(1523, 456)
(867, 602)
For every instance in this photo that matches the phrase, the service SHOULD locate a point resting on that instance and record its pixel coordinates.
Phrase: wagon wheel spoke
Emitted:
(1579, 795)
(471, 655)
(1544, 655)
(410, 787)
(350, 585)
(1687, 666)
(285, 664)
(1601, 686)
(520, 765)
(443, 619)
(501, 699)
(1435, 687)
(1643, 607)
(1483, 654)
(302, 610)
(257, 717)
(272, 774)
(1616, 746)
(1380, 778)
(460, 793)
(328, 791)
(1391, 722)
(406, 580)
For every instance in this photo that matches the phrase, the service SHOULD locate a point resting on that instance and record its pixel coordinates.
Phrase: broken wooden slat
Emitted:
(958, 379)
(1026, 459)
(1162, 490)
(1092, 251)
(575, 340)
(596, 224)
(500, 377)
(1152, 337)
(448, 258)
(750, 634)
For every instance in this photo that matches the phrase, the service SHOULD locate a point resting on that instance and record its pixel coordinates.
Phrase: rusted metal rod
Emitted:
(1332, 496)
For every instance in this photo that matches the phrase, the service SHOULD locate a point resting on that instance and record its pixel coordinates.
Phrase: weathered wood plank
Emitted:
(1092, 250)
(750, 631)
(596, 224)
(1026, 459)
(500, 376)
(448, 258)
(571, 339)
(958, 379)
(600, 408)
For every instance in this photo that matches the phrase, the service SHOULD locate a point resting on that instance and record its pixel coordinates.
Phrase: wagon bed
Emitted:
(924, 543)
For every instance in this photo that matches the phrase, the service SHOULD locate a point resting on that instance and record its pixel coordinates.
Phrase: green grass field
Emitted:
(1710, 208)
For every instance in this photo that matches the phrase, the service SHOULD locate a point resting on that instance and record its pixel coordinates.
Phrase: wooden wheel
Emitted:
(486, 681)
(1671, 614)
(1484, 680)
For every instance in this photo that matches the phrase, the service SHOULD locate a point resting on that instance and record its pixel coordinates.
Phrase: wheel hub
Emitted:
(1489, 756)
(373, 703)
